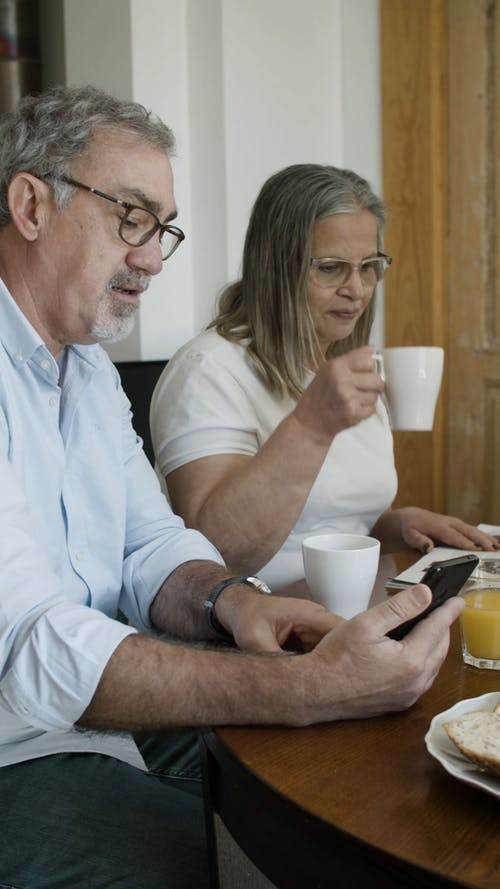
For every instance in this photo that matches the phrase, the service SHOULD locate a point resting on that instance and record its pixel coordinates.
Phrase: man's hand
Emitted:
(364, 673)
(273, 623)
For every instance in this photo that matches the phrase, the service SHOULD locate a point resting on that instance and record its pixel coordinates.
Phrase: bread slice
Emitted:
(477, 735)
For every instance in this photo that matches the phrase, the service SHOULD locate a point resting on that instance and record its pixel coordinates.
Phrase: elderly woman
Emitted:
(268, 426)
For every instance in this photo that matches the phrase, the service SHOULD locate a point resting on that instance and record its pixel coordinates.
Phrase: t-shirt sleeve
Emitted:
(200, 408)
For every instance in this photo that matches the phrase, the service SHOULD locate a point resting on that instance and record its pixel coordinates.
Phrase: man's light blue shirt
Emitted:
(84, 531)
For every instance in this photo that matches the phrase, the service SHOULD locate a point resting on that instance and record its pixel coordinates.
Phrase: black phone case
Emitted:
(445, 579)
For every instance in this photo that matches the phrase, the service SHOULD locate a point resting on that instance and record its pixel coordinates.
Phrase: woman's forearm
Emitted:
(251, 504)
(387, 529)
(248, 505)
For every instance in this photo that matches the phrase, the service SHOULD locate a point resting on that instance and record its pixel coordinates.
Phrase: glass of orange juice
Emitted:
(480, 624)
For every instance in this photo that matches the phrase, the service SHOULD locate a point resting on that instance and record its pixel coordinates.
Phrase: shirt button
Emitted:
(80, 555)
(45, 364)
(19, 356)
(53, 401)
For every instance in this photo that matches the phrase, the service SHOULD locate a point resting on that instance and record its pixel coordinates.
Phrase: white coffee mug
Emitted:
(413, 377)
(340, 570)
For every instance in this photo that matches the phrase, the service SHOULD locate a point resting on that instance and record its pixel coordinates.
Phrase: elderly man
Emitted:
(86, 210)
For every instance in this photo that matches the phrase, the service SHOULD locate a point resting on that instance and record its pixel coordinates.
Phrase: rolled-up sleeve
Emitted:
(52, 652)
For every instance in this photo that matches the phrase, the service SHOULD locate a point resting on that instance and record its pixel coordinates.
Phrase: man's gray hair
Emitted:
(44, 133)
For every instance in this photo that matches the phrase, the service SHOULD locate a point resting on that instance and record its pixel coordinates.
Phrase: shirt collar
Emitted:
(21, 340)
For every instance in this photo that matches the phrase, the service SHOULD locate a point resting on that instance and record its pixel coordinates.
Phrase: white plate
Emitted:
(443, 749)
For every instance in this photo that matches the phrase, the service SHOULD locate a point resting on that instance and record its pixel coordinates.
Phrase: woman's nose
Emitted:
(353, 285)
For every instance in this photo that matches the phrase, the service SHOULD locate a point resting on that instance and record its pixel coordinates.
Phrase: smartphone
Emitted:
(444, 579)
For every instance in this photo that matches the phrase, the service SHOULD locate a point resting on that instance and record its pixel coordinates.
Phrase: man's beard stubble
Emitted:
(115, 318)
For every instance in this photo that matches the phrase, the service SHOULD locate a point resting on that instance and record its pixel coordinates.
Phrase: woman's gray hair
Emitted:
(44, 133)
(268, 307)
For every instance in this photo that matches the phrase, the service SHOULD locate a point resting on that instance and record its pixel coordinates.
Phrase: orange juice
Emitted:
(481, 626)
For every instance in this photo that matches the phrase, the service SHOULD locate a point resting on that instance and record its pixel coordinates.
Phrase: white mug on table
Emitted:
(340, 570)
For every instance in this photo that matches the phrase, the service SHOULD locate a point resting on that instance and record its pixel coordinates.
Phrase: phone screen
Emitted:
(445, 579)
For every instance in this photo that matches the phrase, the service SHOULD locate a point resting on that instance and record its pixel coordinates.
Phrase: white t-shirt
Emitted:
(211, 400)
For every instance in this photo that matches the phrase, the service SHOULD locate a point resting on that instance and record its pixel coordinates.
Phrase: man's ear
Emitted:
(28, 199)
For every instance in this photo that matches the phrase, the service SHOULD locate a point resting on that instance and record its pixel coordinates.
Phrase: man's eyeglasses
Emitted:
(137, 225)
(329, 272)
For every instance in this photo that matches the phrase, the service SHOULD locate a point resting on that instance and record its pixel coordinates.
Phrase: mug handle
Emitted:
(378, 364)
(378, 367)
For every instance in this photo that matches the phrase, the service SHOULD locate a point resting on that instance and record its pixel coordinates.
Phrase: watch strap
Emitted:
(209, 603)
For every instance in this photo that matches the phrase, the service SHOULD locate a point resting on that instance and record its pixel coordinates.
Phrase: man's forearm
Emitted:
(150, 685)
(354, 670)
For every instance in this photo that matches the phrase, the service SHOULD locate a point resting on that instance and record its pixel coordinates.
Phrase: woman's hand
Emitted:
(344, 392)
(422, 530)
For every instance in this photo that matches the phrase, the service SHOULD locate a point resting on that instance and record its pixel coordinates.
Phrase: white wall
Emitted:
(248, 86)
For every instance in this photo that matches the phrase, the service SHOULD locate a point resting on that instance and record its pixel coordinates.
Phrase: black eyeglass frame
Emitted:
(128, 207)
(315, 263)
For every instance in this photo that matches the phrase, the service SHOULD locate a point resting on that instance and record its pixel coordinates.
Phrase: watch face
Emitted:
(259, 584)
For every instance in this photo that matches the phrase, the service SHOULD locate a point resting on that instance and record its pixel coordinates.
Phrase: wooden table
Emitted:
(359, 803)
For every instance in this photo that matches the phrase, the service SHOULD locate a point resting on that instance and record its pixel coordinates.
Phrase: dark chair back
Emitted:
(138, 380)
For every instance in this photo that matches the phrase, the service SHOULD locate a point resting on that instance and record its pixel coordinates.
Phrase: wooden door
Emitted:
(473, 483)
(413, 37)
(441, 141)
